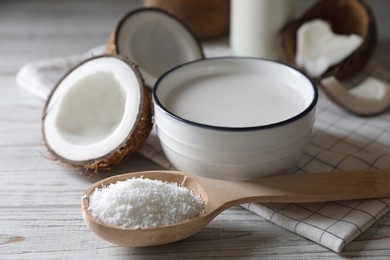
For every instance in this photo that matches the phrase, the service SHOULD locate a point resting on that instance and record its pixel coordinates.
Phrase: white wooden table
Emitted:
(40, 215)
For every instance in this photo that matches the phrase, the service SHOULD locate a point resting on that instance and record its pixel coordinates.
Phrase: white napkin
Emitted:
(340, 142)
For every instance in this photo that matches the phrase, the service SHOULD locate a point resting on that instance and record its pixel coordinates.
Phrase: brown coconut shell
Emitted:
(130, 144)
(206, 18)
(345, 17)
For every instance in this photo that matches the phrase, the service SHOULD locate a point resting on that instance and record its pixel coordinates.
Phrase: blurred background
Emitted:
(36, 29)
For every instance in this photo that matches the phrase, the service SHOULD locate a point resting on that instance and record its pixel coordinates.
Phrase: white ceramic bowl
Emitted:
(234, 118)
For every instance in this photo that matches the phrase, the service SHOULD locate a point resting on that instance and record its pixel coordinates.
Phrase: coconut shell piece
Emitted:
(207, 18)
(137, 132)
(370, 98)
(155, 40)
(345, 17)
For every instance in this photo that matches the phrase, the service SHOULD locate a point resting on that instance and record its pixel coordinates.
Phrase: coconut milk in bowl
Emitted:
(234, 118)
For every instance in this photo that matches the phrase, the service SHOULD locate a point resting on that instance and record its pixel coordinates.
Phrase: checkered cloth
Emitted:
(340, 142)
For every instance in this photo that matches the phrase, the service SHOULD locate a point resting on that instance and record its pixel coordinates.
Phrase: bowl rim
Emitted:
(303, 113)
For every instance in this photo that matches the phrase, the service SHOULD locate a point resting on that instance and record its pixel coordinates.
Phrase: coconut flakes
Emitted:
(143, 203)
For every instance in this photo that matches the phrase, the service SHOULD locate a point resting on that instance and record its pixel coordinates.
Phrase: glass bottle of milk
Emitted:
(254, 26)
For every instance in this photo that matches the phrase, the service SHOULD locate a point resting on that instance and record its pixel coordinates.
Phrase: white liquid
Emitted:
(237, 100)
(254, 26)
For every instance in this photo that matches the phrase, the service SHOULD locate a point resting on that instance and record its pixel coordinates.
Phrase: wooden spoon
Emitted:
(219, 195)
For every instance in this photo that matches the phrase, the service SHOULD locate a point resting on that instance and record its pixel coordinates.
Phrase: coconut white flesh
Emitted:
(370, 97)
(156, 42)
(318, 47)
(93, 110)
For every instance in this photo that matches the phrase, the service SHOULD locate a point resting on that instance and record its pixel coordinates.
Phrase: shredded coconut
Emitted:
(142, 203)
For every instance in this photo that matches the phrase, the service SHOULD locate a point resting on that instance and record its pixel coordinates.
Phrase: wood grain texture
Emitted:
(40, 216)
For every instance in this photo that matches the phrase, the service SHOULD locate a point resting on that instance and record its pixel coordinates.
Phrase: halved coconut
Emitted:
(155, 40)
(98, 114)
(346, 17)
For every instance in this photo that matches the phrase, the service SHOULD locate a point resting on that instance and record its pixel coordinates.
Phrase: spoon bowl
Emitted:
(219, 195)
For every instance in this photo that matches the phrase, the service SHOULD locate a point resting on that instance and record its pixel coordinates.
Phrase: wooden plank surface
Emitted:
(40, 216)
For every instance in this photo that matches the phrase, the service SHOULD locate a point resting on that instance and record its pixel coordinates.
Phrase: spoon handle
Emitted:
(300, 188)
